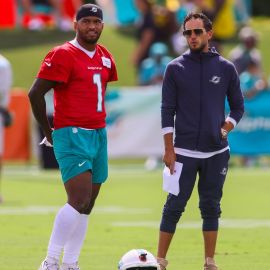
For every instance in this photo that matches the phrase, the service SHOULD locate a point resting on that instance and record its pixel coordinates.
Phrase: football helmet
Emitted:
(140, 259)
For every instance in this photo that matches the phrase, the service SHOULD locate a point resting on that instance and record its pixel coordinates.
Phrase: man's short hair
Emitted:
(206, 21)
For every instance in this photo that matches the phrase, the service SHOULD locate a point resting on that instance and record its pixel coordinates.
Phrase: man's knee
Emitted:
(80, 203)
(210, 211)
(170, 218)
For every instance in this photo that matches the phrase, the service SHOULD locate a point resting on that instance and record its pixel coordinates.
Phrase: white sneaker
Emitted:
(65, 266)
(49, 265)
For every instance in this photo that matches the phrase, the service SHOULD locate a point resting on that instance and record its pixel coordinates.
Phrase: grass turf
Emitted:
(127, 216)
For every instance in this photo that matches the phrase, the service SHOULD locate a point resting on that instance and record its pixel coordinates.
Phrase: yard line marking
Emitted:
(225, 223)
(44, 210)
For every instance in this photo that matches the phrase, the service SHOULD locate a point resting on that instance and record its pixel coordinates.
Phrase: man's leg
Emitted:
(99, 175)
(210, 240)
(175, 206)
(212, 177)
(69, 216)
(74, 244)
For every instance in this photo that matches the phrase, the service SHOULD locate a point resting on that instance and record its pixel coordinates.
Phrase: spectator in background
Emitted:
(252, 83)
(252, 80)
(221, 13)
(41, 13)
(246, 51)
(152, 69)
(242, 12)
(5, 86)
(156, 24)
(146, 31)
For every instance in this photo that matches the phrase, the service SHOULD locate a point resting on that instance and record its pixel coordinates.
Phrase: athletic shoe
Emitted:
(162, 263)
(70, 266)
(210, 264)
(49, 264)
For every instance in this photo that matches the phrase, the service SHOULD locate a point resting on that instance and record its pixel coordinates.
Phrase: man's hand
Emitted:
(169, 159)
(225, 129)
(48, 135)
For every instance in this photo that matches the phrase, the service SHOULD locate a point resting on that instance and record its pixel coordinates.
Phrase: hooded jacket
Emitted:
(194, 91)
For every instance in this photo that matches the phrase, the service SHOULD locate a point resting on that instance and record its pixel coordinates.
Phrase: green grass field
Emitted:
(127, 216)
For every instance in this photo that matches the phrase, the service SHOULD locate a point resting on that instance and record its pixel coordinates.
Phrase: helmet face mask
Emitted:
(138, 259)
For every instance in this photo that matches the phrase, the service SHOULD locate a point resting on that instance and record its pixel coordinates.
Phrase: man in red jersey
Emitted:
(78, 71)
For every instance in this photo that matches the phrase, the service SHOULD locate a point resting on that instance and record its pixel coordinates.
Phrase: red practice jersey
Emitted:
(79, 95)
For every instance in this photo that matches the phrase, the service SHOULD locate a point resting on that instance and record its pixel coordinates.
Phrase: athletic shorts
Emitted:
(78, 150)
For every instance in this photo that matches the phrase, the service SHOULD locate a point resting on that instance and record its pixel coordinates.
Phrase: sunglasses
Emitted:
(197, 32)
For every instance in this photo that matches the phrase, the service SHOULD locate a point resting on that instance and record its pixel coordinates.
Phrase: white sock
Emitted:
(74, 244)
(65, 222)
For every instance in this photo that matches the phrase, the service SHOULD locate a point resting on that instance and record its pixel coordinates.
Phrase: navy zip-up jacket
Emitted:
(194, 91)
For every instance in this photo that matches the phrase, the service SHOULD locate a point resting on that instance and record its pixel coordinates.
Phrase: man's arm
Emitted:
(168, 110)
(36, 95)
(236, 103)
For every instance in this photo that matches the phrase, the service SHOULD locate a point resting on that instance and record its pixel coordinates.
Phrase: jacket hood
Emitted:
(197, 55)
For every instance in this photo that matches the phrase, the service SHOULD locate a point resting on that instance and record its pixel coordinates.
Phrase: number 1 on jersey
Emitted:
(97, 81)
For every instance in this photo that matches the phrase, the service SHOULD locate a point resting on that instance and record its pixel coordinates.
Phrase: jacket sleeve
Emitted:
(235, 97)
(169, 98)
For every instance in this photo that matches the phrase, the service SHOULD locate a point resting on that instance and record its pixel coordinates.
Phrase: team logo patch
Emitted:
(106, 62)
(48, 64)
(215, 80)
(224, 171)
(93, 9)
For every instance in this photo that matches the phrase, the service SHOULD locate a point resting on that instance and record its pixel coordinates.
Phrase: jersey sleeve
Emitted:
(56, 66)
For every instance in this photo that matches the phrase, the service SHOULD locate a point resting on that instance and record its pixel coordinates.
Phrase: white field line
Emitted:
(224, 223)
(44, 210)
(35, 170)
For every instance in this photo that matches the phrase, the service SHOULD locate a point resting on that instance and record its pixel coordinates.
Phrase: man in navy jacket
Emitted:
(194, 91)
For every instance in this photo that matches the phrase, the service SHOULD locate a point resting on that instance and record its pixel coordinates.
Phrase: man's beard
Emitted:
(92, 41)
(198, 50)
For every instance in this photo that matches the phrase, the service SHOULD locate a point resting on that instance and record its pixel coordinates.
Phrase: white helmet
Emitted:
(138, 258)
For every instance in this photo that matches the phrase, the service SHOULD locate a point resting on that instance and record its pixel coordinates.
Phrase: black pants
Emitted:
(212, 173)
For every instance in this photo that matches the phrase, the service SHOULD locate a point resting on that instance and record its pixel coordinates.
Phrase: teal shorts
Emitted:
(78, 150)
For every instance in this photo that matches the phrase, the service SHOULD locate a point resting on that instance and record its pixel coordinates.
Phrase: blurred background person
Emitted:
(156, 24)
(221, 13)
(246, 51)
(5, 86)
(146, 31)
(242, 12)
(252, 80)
(152, 69)
(38, 14)
(179, 42)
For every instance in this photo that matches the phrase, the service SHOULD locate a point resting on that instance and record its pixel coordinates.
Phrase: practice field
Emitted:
(127, 216)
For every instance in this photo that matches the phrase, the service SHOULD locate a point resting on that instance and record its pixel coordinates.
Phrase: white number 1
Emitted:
(97, 81)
